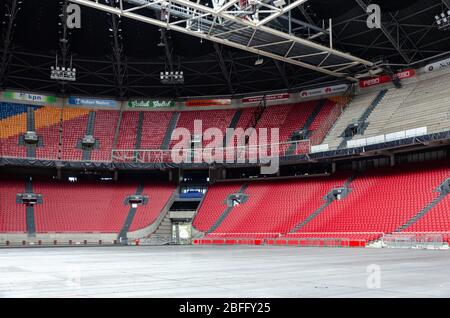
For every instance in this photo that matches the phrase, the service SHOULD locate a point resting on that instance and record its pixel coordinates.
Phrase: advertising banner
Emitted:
(324, 90)
(151, 104)
(385, 78)
(207, 102)
(29, 97)
(273, 97)
(77, 101)
(437, 66)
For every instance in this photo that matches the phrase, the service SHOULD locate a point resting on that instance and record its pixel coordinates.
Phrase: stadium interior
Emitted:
(362, 117)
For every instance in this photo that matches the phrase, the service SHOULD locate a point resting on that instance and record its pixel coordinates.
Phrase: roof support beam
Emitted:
(230, 21)
(12, 8)
(281, 69)
(447, 3)
(282, 11)
(223, 67)
(363, 4)
(64, 44)
(169, 56)
(118, 59)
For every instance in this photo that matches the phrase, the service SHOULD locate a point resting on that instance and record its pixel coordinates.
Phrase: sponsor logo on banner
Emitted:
(257, 99)
(28, 97)
(76, 101)
(437, 66)
(207, 102)
(324, 90)
(151, 104)
(385, 78)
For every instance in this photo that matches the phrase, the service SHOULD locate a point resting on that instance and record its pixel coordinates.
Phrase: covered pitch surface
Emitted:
(223, 271)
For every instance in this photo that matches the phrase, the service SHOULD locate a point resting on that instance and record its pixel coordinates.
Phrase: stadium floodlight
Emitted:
(279, 3)
(63, 74)
(443, 20)
(171, 78)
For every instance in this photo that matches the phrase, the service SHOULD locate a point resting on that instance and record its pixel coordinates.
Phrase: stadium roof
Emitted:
(121, 57)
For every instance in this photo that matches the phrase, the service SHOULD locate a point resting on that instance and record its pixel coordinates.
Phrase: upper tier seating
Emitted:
(48, 123)
(74, 129)
(383, 113)
(128, 130)
(351, 113)
(220, 119)
(13, 123)
(11, 109)
(154, 129)
(244, 122)
(104, 131)
(426, 106)
(324, 121)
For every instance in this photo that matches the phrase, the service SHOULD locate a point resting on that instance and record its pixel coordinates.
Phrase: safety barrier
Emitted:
(9, 243)
(283, 242)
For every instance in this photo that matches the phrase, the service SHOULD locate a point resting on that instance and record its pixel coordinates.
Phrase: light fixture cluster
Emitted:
(172, 77)
(443, 20)
(63, 74)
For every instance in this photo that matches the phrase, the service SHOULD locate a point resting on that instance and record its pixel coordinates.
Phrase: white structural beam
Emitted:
(228, 25)
(282, 11)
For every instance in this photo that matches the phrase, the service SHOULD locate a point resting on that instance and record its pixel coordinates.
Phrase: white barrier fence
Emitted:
(239, 154)
(419, 240)
(411, 133)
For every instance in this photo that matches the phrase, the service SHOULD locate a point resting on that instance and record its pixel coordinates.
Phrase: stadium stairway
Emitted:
(371, 108)
(314, 114)
(311, 118)
(89, 131)
(163, 234)
(233, 124)
(168, 136)
(137, 145)
(31, 150)
(328, 200)
(117, 131)
(122, 237)
(444, 190)
(364, 117)
(235, 119)
(31, 225)
(225, 213)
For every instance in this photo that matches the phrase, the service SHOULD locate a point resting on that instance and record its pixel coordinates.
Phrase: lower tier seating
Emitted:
(380, 201)
(80, 207)
(214, 204)
(12, 215)
(277, 207)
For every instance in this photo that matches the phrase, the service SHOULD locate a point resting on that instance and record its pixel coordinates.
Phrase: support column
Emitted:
(392, 160)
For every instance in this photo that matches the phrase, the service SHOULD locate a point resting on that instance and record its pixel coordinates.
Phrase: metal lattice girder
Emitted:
(447, 3)
(364, 4)
(223, 67)
(241, 28)
(118, 58)
(11, 12)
